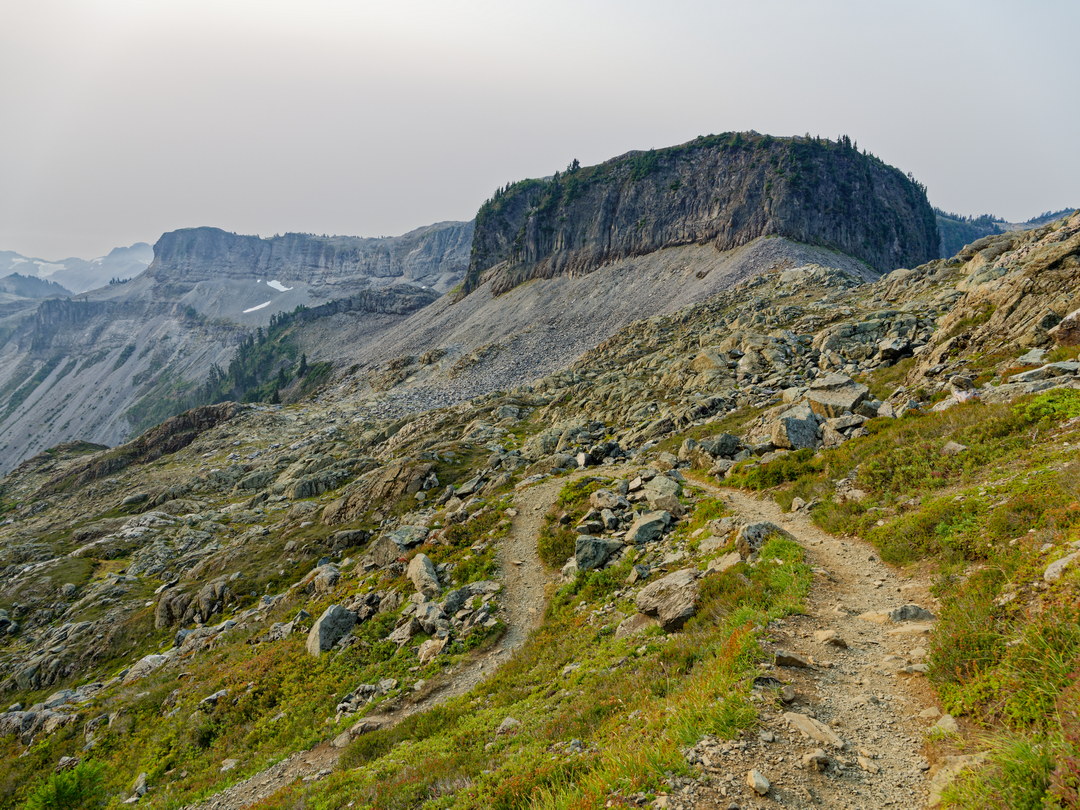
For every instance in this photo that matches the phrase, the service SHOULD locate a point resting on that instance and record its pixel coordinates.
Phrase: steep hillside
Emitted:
(464, 347)
(563, 594)
(132, 353)
(724, 190)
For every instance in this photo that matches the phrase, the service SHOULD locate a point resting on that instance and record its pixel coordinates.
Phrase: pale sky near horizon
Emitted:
(122, 119)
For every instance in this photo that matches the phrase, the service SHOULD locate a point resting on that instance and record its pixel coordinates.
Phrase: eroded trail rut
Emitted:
(522, 602)
(855, 691)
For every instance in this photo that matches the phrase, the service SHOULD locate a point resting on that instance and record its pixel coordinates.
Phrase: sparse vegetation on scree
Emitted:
(812, 541)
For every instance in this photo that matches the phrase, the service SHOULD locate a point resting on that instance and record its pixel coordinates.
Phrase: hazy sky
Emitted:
(122, 119)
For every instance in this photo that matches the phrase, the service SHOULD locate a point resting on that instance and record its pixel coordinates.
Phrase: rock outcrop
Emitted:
(726, 190)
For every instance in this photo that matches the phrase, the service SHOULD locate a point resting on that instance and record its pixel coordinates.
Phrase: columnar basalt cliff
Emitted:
(723, 189)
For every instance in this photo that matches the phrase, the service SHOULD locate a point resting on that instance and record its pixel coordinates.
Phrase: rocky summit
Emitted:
(750, 506)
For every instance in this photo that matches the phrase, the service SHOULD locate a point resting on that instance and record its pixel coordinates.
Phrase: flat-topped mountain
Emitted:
(433, 256)
(724, 190)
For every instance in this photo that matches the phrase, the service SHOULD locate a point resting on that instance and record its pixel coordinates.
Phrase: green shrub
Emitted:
(1062, 403)
(788, 467)
(80, 788)
(556, 543)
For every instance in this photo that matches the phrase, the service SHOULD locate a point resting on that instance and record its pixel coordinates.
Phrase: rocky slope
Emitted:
(723, 190)
(253, 582)
(76, 368)
(958, 231)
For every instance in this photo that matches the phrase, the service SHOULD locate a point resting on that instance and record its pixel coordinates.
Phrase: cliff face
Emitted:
(725, 189)
(433, 256)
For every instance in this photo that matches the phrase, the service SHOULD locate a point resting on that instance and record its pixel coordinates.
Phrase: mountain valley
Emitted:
(697, 478)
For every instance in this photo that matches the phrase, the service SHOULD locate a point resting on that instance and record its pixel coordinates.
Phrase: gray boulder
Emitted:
(796, 429)
(671, 600)
(835, 394)
(752, 537)
(424, 577)
(392, 545)
(649, 527)
(660, 487)
(724, 445)
(592, 552)
(329, 629)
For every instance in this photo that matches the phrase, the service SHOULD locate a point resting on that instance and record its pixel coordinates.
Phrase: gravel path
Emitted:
(522, 603)
(855, 691)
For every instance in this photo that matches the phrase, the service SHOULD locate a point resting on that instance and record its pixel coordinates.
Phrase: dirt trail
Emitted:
(521, 607)
(856, 691)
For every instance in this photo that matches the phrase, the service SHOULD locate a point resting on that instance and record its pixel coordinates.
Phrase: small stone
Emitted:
(814, 729)
(788, 694)
(1056, 569)
(757, 782)
(790, 659)
(947, 724)
(868, 765)
(508, 726)
(815, 760)
(830, 637)
(910, 613)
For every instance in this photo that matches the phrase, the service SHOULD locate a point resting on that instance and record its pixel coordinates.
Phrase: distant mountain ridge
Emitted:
(958, 230)
(80, 275)
(31, 287)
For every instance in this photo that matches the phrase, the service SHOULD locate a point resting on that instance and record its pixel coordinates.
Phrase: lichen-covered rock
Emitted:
(672, 599)
(648, 527)
(421, 572)
(796, 429)
(835, 395)
(593, 552)
(752, 537)
(329, 629)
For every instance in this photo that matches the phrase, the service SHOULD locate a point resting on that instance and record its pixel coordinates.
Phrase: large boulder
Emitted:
(593, 552)
(422, 574)
(649, 527)
(835, 395)
(723, 445)
(178, 608)
(378, 488)
(672, 599)
(659, 487)
(1067, 332)
(145, 665)
(753, 536)
(329, 629)
(393, 545)
(796, 429)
